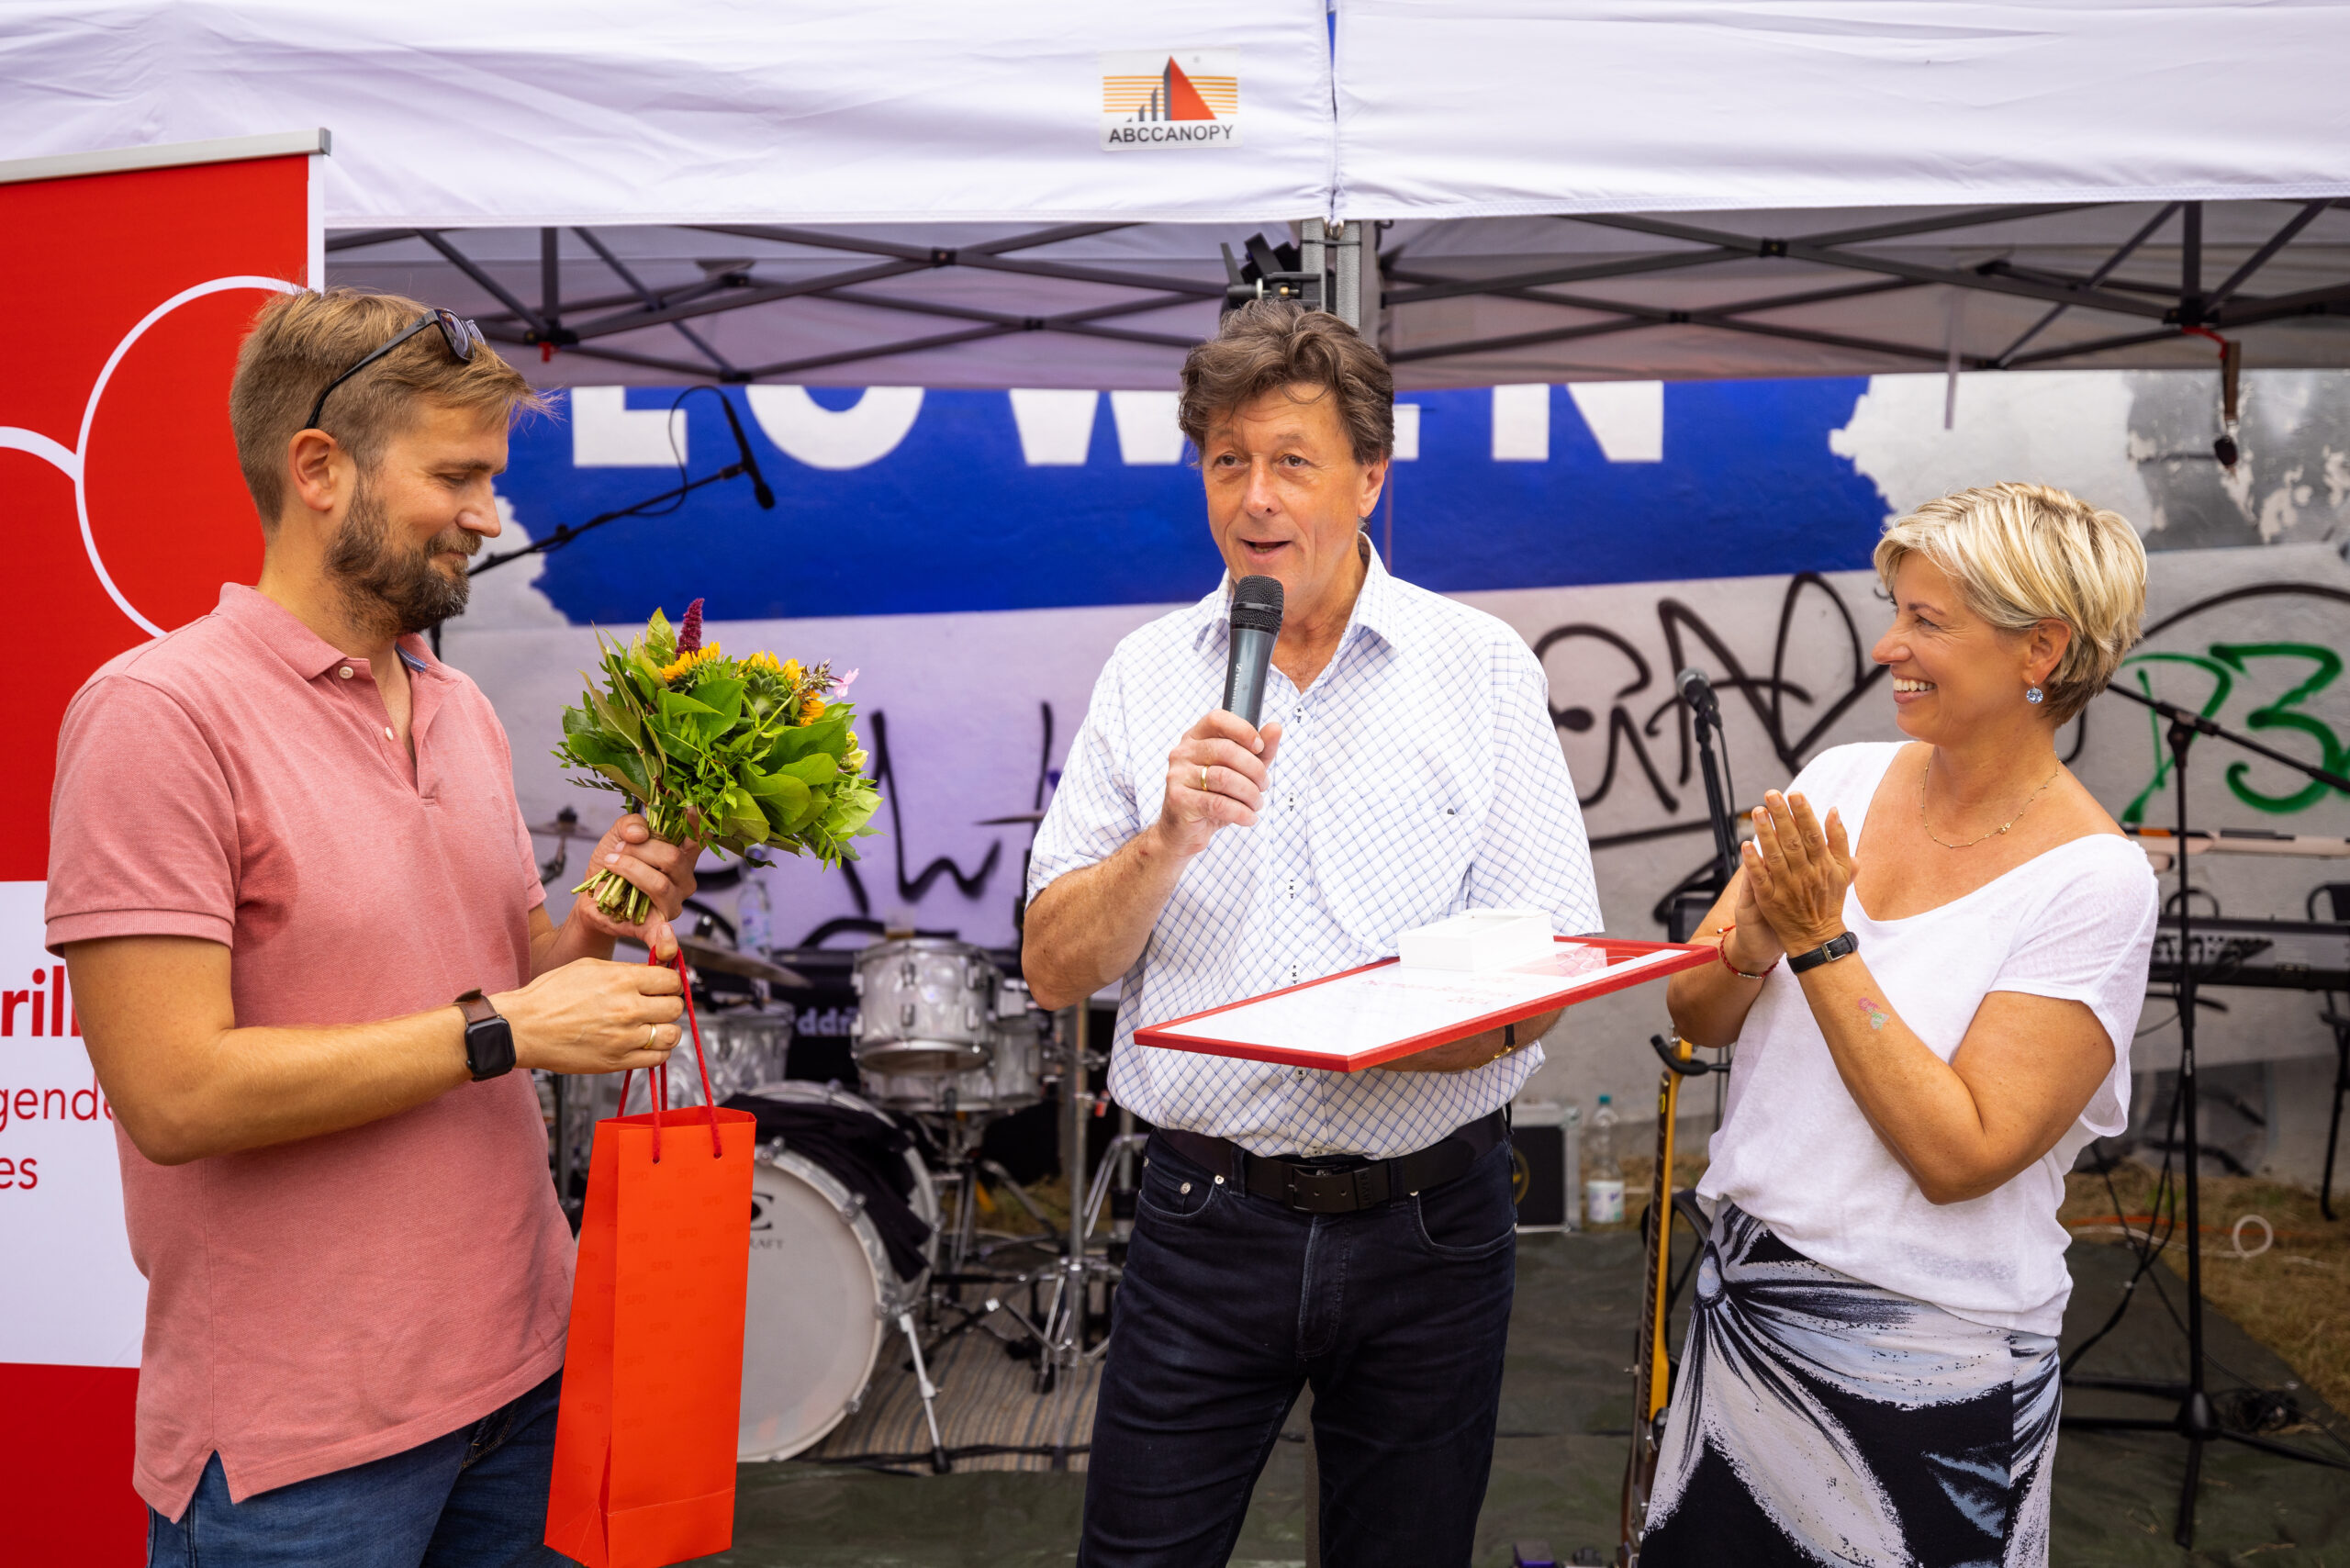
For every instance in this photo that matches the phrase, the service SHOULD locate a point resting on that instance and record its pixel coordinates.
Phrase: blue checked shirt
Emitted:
(1419, 776)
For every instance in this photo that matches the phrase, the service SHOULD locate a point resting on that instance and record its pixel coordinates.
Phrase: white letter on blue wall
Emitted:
(1056, 426)
(1147, 428)
(607, 433)
(1627, 417)
(865, 431)
(1522, 424)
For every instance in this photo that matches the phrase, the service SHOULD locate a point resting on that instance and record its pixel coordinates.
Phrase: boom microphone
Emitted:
(1256, 625)
(750, 464)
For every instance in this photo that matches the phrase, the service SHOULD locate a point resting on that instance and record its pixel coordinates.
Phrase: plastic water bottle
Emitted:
(1603, 1188)
(755, 914)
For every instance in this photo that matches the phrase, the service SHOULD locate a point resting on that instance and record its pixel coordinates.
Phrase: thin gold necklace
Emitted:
(1946, 843)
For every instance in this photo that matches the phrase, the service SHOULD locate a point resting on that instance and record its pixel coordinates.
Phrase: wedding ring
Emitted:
(1203, 781)
(652, 1037)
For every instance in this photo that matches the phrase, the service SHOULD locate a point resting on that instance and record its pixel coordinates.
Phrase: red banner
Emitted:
(126, 295)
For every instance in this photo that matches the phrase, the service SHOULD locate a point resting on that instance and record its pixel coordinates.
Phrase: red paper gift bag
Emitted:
(653, 1377)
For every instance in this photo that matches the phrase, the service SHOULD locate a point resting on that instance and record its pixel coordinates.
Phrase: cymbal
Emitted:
(1017, 819)
(704, 954)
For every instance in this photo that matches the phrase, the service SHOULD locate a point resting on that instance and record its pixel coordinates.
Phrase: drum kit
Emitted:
(944, 1045)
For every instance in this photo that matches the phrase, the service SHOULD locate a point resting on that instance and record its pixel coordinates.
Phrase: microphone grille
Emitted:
(1257, 604)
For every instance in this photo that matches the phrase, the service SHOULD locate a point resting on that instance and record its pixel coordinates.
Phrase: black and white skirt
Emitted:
(1817, 1419)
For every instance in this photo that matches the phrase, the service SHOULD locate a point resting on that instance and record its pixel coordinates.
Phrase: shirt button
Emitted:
(344, 672)
(388, 734)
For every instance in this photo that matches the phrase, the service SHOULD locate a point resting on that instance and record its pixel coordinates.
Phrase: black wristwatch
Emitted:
(1841, 946)
(489, 1038)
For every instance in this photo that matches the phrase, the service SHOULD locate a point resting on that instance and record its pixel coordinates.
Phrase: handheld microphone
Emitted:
(1256, 625)
(750, 464)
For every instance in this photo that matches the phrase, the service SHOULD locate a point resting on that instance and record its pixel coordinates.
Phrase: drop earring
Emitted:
(2034, 696)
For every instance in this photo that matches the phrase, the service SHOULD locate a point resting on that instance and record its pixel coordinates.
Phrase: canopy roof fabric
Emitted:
(919, 192)
(526, 112)
(1483, 108)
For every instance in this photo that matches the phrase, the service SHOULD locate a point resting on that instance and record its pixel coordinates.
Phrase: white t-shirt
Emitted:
(2076, 922)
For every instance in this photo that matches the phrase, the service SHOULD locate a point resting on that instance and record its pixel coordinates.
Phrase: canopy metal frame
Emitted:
(579, 325)
(2192, 305)
(2143, 310)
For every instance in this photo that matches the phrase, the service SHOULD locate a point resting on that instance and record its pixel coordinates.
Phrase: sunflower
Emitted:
(683, 665)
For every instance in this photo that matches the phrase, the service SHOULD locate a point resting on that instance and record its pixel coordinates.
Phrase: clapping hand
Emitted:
(1797, 872)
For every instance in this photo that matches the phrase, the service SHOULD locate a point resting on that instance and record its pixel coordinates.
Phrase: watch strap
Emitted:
(1843, 945)
(489, 1038)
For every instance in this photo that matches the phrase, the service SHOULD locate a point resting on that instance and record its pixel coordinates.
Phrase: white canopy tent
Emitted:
(1557, 189)
(1584, 189)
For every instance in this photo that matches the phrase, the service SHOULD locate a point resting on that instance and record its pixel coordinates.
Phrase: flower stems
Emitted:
(615, 894)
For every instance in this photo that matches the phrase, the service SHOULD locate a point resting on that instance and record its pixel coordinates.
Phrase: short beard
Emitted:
(388, 589)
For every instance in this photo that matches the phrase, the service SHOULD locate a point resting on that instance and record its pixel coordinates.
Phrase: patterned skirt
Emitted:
(1817, 1419)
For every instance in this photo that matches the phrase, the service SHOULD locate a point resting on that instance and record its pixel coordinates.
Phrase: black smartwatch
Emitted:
(489, 1038)
(1842, 945)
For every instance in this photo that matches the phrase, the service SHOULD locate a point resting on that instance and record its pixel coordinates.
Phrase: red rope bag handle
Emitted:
(656, 1080)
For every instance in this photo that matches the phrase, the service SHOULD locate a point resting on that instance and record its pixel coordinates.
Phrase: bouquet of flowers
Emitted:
(734, 753)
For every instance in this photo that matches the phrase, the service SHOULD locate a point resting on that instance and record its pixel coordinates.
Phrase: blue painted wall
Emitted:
(953, 519)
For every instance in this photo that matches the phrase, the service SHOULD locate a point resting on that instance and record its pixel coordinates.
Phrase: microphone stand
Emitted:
(1707, 720)
(2194, 1421)
(566, 533)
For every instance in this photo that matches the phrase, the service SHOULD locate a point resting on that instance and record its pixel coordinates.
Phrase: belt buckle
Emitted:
(1321, 1191)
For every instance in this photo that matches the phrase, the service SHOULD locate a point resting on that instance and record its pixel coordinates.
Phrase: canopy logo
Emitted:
(1189, 98)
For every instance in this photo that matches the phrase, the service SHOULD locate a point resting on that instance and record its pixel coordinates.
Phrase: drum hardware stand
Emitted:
(2194, 1421)
(939, 1463)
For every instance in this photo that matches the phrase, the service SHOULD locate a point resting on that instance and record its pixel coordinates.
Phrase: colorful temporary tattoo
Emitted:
(1877, 1015)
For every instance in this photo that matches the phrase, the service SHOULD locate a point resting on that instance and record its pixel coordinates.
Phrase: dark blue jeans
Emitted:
(1396, 1316)
(475, 1499)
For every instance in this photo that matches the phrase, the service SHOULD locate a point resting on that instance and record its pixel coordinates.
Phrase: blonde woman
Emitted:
(1932, 960)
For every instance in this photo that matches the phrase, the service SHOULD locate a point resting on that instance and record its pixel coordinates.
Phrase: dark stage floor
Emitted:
(1556, 1467)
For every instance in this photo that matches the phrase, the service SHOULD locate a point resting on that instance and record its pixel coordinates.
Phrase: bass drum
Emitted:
(823, 1295)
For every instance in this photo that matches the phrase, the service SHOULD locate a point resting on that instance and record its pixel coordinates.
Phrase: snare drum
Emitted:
(822, 1295)
(925, 1005)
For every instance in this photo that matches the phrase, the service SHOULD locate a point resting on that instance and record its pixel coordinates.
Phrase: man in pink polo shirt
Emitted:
(309, 946)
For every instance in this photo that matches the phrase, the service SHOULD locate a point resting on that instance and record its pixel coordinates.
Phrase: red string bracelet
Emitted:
(1722, 952)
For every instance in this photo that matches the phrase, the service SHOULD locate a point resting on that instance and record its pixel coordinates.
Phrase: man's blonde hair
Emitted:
(2024, 553)
(301, 341)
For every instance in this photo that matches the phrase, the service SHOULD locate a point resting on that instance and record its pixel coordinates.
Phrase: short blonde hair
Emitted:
(2024, 553)
(301, 341)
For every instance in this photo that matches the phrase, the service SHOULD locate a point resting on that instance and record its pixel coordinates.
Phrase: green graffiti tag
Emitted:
(2225, 661)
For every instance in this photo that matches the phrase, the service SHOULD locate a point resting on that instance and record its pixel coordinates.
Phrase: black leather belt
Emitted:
(1341, 1187)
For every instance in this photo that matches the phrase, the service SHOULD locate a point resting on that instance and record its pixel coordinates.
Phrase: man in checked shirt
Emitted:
(1350, 1231)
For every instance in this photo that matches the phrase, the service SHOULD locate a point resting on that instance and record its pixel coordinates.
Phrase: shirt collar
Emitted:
(1374, 609)
(310, 655)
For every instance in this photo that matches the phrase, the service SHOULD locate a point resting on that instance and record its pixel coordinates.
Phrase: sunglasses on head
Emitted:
(460, 334)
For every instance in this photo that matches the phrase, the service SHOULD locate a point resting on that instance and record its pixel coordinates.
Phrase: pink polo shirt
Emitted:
(320, 1304)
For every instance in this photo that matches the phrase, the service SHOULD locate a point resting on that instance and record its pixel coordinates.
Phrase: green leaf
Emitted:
(617, 717)
(784, 799)
(815, 770)
(721, 692)
(744, 816)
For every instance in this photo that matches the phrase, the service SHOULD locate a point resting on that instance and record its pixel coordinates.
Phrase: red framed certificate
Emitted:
(1361, 1018)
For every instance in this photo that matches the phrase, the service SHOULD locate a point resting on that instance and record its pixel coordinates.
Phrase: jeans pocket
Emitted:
(1470, 1218)
(1173, 1191)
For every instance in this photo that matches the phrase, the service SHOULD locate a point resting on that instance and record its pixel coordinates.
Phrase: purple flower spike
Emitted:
(689, 629)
